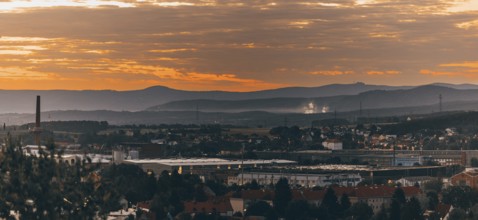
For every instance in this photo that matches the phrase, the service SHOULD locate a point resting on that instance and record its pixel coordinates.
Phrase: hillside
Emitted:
(423, 96)
(23, 101)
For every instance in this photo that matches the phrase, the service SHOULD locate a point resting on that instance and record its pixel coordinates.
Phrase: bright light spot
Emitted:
(461, 6)
(364, 2)
(14, 52)
(173, 4)
(325, 109)
(310, 108)
(467, 25)
(22, 39)
(300, 24)
(19, 5)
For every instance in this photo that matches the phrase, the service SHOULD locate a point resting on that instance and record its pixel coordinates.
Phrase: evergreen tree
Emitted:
(330, 203)
(395, 209)
(282, 196)
(361, 211)
(345, 202)
(432, 200)
(381, 215)
(457, 214)
(412, 210)
(259, 208)
(399, 195)
(297, 210)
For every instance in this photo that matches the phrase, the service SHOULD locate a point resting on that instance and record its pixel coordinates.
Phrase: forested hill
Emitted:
(465, 121)
(453, 99)
(136, 100)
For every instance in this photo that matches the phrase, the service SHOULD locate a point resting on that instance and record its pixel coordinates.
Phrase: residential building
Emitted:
(216, 206)
(333, 144)
(297, 179)
(468, 177)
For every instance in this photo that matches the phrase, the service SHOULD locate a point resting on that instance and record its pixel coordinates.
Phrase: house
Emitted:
(241, 200)
(413, 180)
(218, 206)
(333, 144)
(122, 214)
(374, 196)
(468, 177)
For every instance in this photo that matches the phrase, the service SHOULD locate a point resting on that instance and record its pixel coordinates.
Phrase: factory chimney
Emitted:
(37, 129)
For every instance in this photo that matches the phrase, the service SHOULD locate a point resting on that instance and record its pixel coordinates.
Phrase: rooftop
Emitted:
(207, 162)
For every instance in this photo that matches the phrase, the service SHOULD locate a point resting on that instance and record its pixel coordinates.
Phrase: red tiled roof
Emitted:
(144, 205)
(333, 141)
(311, 195)
(213, 205)
(443, 209)
(257, 194)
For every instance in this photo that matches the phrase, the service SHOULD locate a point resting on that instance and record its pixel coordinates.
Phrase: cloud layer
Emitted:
(235, 45)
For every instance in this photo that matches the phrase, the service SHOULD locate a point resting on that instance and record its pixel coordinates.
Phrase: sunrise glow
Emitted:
(234, 46)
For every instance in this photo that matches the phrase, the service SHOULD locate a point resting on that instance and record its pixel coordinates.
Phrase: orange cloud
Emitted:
(388, 72)
(470, 74)
(331, 72)
(438, 73)
(20, 74)
(467, 64)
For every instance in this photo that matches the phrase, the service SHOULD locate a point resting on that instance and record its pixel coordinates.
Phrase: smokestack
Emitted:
(37, 129)
(37, 122)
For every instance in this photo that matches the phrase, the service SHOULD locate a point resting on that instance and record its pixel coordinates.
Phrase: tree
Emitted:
(259, 208)
(282, 196)
(330, 203)
(345, 202)
(433, 185)
(474, 162)
(399, 195)
(297, 210)
(457, 214)
(361, 211)
(395, 210)
(412, 210)
(459, 196)
(141, 189)
(381, 215)
(432, 200)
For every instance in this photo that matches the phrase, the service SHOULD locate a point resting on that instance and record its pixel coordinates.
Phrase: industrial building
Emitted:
(203, 165)
(380, 157)
(297, 179)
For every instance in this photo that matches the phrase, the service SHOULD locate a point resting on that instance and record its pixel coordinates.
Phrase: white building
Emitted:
(332, 144)
(201, 165)
(408, 160)
(412, 180)
(301, 179)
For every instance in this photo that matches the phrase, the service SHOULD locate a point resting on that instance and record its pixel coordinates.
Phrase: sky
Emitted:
(235, 45)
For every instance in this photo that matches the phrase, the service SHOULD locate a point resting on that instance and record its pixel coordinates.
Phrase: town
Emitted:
(415, 169)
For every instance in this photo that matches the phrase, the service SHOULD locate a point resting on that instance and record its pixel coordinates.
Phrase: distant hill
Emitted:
(23, 101)
(343, 97)
(423, 96)
(456, 86)
(466, 121)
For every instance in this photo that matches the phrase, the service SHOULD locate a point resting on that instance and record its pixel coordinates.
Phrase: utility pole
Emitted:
(440, 97)
(242, 164)
(360, 112)
(335, 116)
(197, 113)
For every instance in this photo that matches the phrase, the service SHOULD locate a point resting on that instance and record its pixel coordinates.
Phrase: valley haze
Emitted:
(165, 105)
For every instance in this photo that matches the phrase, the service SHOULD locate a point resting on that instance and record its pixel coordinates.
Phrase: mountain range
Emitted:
(159, 97)
(165, 105)
(427, 95)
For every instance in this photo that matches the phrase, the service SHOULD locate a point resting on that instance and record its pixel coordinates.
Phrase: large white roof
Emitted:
(207, 162)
